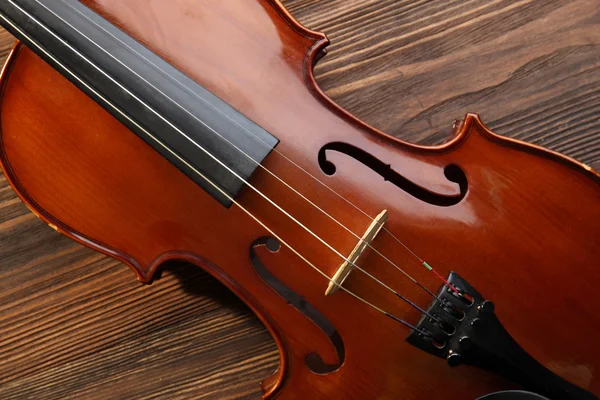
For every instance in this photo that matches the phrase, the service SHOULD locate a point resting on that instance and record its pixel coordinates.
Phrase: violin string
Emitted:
(250, 157)
(421, 261)
(247, 212)
(133, 96)
(387, 287)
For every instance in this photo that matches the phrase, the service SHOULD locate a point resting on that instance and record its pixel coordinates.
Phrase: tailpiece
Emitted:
(467, 331)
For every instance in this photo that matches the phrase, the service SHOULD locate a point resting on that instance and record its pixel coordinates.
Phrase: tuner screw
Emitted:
(487, 307)
(477, 324)
(454, 359)
(465, 343)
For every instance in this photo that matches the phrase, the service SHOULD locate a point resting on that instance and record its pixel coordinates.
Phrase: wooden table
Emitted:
(76, 324)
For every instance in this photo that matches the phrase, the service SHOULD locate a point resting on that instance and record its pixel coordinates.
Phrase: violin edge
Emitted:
(285, 14)
(473, 121)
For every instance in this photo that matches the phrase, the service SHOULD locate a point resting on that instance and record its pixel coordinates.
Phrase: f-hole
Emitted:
(452, 172)
(313, 361)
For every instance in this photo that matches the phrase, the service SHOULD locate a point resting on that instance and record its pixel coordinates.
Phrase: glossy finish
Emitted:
(137, 85)
(528, 225)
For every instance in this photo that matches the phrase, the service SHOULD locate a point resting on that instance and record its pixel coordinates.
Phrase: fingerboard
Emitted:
(204, 137)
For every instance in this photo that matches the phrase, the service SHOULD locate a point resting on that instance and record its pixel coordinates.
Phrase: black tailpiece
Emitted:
(467, 331)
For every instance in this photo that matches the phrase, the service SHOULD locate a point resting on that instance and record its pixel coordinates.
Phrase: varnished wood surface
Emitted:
(84, 328)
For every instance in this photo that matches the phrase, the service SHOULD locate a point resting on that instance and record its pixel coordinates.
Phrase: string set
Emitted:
(270, 201)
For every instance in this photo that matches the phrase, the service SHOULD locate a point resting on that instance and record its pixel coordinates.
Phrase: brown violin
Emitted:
(382, 269)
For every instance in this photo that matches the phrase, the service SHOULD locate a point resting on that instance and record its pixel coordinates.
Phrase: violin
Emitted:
(382, 269)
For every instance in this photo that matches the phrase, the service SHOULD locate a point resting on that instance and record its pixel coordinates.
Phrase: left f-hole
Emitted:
(313, 361)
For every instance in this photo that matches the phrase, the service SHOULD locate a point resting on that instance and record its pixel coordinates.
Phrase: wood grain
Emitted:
(76, 324)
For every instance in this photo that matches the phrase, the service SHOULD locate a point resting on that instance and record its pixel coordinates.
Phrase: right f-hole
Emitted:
(452, 172)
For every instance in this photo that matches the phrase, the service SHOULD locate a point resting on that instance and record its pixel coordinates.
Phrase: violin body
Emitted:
(526, 232)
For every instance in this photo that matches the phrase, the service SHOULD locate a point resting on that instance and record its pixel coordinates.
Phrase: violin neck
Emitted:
(210, 142)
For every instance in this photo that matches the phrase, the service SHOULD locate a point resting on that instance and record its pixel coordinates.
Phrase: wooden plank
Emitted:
(76, 324)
